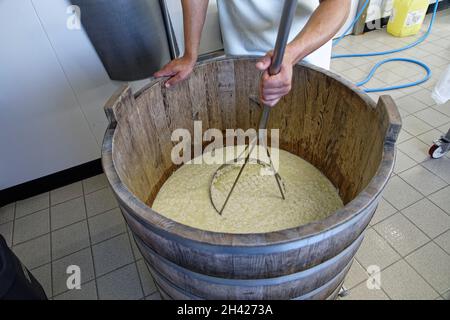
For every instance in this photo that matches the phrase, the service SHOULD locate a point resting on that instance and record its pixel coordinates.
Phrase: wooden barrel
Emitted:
(325, 120)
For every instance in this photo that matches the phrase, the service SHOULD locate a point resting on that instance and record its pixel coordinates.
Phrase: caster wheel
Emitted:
(343, 292)
(436, 152)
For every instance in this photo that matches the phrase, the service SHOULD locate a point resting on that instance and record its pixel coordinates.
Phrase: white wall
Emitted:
(52, 89)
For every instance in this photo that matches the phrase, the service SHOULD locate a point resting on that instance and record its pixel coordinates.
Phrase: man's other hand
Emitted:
(178, 70)
(273, 88)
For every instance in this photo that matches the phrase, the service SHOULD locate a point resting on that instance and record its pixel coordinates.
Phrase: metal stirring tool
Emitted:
(287, 18)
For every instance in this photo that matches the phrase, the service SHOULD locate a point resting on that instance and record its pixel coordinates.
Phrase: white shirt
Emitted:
(250, 27)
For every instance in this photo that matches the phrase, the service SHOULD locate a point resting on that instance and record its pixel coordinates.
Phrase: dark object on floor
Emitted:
(129, 36)
(16, 282)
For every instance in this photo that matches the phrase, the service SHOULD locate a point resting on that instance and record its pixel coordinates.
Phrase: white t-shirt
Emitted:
(250, 27)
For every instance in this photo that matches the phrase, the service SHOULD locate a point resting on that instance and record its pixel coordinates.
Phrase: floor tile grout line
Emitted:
(57, 229)
(68, 225)
(118, 268)
(423, 231)
(409, 206)
(437, 244)
(385, 292)
(417, 135)
(135, 260)
(421, 275)
(67, 200)
(401, 211)
(103, 213)
(437, 108)
(90, 242)
(30, 213)
(51, 249)
(414, 224)
(365, 273)
(396, 251)
(438, 111)
(448, 213)
(398, 260)
(53, 205)
(96, 190)
(36, 237)
(13, 225)
(13, 205)
(384, 219)
(402, 171)
(70, 290)
(421, 134)
(389, 265)
(49, 233)
(404, 259)
(434, 174)
(423, 196)
(77, 251)
(115, 269)
(365, 280)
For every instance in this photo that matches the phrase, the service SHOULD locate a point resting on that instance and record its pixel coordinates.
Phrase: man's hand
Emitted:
(321, 27)
(273, 88)
(178, 70)
(194, 15)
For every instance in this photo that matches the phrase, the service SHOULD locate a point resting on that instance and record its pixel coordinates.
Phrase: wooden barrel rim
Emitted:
(365, 199)
(255, 249)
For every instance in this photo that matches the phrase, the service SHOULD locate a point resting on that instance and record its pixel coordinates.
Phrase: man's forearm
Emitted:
(194, 15)
(321, 27)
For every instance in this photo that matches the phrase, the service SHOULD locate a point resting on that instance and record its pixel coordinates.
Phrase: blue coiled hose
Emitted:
(381, 53)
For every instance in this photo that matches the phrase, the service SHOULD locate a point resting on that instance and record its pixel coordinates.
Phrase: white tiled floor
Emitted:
(81, 225)
(408, 238)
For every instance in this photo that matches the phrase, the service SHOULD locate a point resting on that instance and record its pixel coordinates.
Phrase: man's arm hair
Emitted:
(324, 23)
(194, 16)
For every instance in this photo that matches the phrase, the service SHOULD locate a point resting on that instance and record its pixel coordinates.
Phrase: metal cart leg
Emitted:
(441, 147)
(343, 292)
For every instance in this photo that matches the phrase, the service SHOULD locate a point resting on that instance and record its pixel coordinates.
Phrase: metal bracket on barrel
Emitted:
(394, 125)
